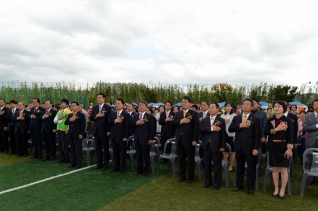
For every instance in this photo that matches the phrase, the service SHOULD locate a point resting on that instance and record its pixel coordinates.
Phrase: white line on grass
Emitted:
(44, 180)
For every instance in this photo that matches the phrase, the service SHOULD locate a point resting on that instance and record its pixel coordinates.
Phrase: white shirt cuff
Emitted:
(316, 125)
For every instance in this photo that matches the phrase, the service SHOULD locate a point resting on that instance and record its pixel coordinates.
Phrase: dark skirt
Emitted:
(276, 155)
(229, 140)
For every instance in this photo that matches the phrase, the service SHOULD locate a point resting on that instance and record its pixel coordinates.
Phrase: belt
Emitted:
(279, 140)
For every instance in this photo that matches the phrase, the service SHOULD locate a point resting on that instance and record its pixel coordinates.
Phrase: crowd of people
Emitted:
(247, 128)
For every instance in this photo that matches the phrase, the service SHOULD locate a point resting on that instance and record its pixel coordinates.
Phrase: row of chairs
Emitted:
(172, 157)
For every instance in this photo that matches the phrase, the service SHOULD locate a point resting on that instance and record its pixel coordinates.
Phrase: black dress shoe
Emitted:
(189, 181)
(181, 179)
(250, 192)
(236, 189)
(146, 174)
(137, 172)
(98, 167)
(104, 168)
(70, 166)
(113, 170)
(281, 197)
(216, 187)
(206, 185)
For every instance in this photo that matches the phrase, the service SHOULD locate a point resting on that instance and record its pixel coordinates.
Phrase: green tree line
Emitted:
(134, 92)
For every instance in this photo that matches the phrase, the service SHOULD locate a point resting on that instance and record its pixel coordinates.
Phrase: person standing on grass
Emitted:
(311, 126)
(119, 123)
(247, 141)
(279, 130)
(228, 117)
(61, 130)
(187, 127)
(100, 115)
(167, 129)
(77, 123)
(35, 128)
(213, 144)
(21, 129)
(48, 130)
(3, 128)
(11, 126)
(145, 129)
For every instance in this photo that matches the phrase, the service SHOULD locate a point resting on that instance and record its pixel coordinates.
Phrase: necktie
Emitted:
(167, 114)
(100, 108)
(212, 121)
(47, 111)
(12, 111)
(244, 118)
(117, 114)
(184, 114)
(20, 112)
(140, 116)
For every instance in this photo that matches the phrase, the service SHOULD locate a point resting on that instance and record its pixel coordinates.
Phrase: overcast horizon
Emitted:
(171, 42)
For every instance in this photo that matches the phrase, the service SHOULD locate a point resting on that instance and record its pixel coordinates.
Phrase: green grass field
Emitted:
(89, 189)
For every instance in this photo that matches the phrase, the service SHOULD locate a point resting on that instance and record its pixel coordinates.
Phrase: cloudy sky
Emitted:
(182, 42)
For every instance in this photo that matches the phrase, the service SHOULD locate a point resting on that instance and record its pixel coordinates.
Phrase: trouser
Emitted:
(63, 144)
(37, 142)
(76, 151)
(241, 157)
(185, 157)
(142, 153)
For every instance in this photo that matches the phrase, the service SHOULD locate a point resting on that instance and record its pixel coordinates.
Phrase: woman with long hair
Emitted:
(228, 116)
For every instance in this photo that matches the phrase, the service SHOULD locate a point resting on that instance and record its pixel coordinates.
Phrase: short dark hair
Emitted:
(65, 101)
(151, 111)
(49, 101)
(144, 102)
(187, 98)
(205, 102)
(162, 107)
(249, 99)
(294, 105)
(21, 102)
(269, 108)
(217, 105)
(37, 99)
(57, 106)
(13, 101)
(256, 100)
(102, 94)
(110, 102)
(168, 102)
(176, 107)
(195, 106)
(315, 100)
(282, 103)
(7, 103)
(75, 103)
(302, 112)
(121, 100)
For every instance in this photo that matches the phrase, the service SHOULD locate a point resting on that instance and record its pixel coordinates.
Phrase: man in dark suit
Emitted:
(187, 127)
(119, 122)
(21, 129)
(100, 115)
(11, 126)
(145, 129)
(289, 114)
(130, 111)
(256, 111)
(213, 144)
(247, 142)
(48, 130)
(4, 147)
(77, 125)
(167, 128)
(35, 128)
(204, 113)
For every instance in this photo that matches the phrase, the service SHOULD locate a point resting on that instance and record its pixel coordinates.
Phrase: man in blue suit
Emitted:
(247, 142)
(77, 124)
(100, 115)
(35, 128)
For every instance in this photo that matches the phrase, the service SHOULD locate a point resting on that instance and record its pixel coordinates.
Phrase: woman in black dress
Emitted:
(280, 144)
